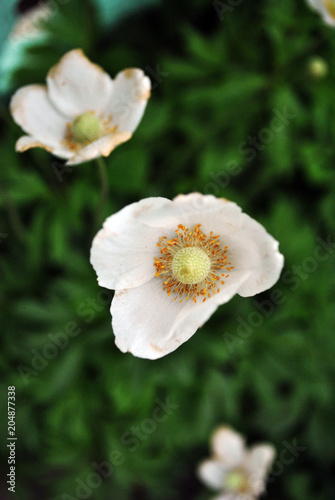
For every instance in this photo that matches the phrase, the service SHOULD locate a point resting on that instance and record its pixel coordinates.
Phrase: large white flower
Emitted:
(234, 471)
(326, 9)
(172, 263)
(81, 113)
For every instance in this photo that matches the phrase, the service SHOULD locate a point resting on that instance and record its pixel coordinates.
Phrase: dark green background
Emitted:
(220, 82)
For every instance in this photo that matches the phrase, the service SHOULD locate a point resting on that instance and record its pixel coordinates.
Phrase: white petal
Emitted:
(234, 496)
(254, 250)
(123, 252)
(101, 147)
(194, 202)
(315, 4)
(76, 85)
(129, 98)
(212, 473)
(33, 111)
(228, 496)
(150, 324)
(213, 214)
(26, 142)
(162, 213)
(258, 463)
(228, 447)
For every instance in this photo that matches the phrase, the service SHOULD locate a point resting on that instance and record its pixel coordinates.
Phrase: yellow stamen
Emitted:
(192, 263)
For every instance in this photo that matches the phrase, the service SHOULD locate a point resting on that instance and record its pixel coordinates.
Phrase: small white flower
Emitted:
(326, 8)
(234, 471)
(30, 24)
(81, 113)
(172, 263)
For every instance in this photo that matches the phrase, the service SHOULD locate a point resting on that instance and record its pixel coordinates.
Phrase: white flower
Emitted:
(81, 113)
(326, 9)
(172, 263)
(234, 471)
(30, 24)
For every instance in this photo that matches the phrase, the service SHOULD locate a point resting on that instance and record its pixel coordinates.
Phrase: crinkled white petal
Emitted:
(26, 142)
(32, 110)
(76, 85)
(213, 473)
(129, 99)
(150, 324)
(258, 462)
(101, 147)
(161, 212)
(254, 250)
(194, 202)
(213, 214)
(123, 251)
(228, 447)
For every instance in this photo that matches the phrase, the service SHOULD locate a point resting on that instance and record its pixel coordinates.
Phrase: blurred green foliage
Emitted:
(216, 84)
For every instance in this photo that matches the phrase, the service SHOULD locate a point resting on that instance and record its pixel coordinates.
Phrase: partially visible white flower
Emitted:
(326, 8)
(172, 263)
(28, 31)
(236, 472)
(81, 113)
(30, 23)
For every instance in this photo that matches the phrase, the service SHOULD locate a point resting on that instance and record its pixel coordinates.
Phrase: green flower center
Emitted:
(191, 265)
(236, 480)
(86, 128)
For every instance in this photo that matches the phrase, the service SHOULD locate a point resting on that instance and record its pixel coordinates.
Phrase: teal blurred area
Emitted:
(7, 20)
(239, 109)
(109, 13)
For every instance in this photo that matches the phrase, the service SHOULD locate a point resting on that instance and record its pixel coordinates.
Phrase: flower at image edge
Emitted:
(81, 113)
(233, 470)
(172, 263)
(326, 8)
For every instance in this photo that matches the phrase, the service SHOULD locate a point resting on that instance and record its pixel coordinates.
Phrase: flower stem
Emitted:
(104, 188)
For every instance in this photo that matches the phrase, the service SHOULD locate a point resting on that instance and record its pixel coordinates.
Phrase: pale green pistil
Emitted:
(86, 128)
(235, 481)
(191, 265)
